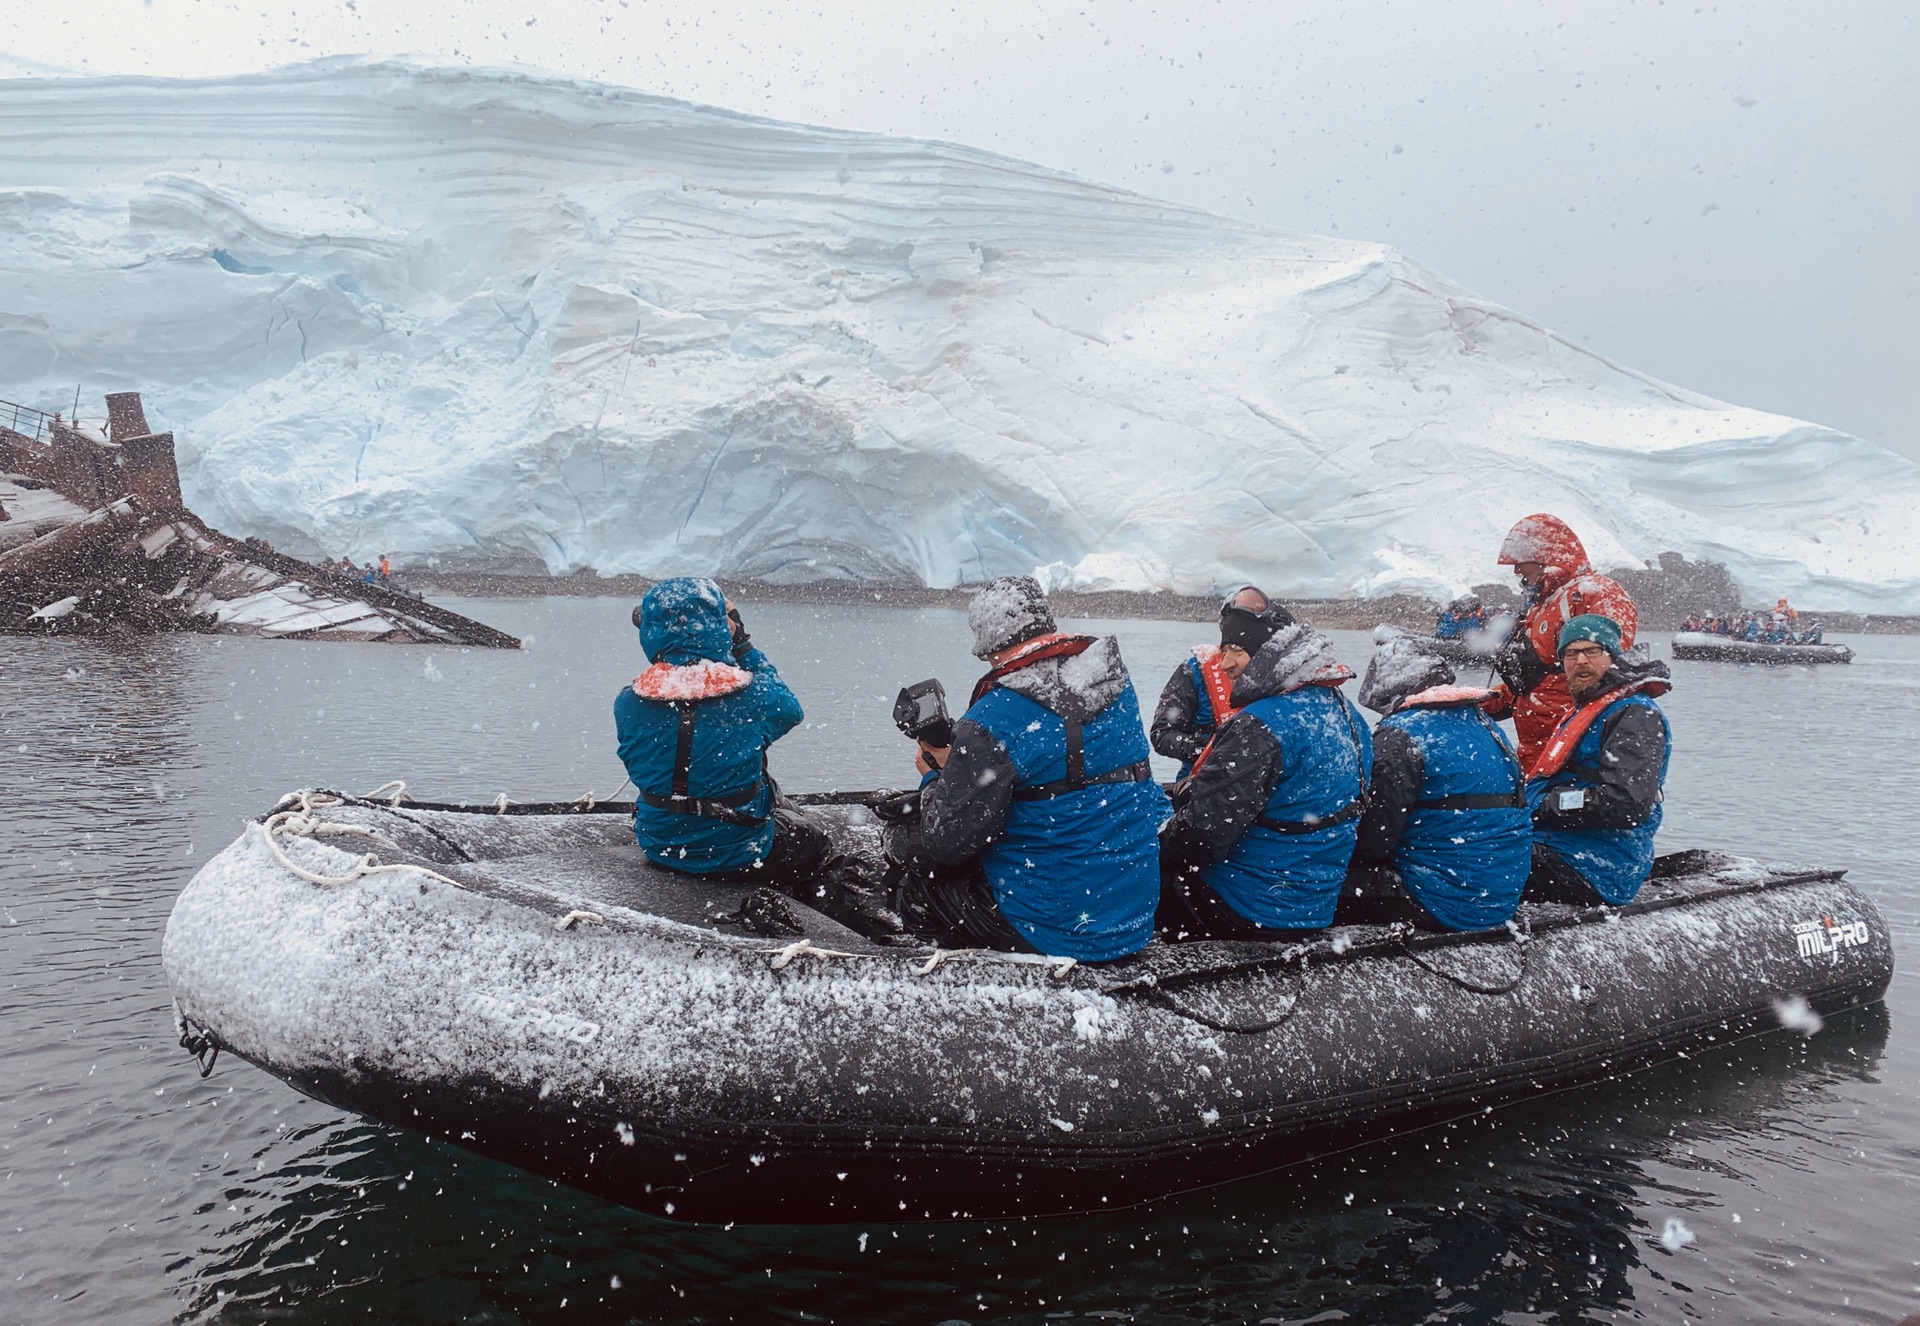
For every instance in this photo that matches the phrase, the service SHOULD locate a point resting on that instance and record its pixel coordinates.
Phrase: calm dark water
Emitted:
(135, 1192)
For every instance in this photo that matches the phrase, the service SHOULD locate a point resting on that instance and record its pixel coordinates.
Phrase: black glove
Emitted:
(742, 642)
(1518, 665)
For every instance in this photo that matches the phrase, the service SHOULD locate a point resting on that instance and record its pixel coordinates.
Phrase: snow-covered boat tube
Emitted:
(1724, 649)
(528, 987)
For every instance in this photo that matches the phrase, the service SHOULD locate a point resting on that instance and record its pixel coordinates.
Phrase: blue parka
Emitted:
(1275, 809)
(1616, 773)
(1075, 871)
(738, 707)
(1448, 809)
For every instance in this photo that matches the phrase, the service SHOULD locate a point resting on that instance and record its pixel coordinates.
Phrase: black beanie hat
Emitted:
(1249, 628)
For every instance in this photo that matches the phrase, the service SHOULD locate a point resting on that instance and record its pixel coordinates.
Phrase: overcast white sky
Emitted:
(1725, 195)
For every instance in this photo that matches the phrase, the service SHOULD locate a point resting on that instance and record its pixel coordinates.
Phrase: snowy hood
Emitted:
(684, 620)
(1087, 681)
(1296, 656)
(1398, 668)
(1549, 541)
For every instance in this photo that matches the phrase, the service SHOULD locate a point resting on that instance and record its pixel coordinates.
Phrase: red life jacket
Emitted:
(1054, 644)
(1559, 748)
(1332, 677)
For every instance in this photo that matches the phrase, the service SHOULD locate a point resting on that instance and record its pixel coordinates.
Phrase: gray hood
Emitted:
(1297, 656)
(1084, 683)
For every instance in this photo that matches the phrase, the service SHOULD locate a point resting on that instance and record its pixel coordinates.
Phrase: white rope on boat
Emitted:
(305, 822)
(500, 804)
(399, 787)
(803, 948)
(940, 955)
(577, 917)
(588, 800)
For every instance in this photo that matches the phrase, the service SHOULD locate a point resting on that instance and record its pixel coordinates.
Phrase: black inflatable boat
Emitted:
(522, 983)
(1699, 646)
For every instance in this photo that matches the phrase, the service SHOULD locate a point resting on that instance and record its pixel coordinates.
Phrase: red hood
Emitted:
(1547, 540)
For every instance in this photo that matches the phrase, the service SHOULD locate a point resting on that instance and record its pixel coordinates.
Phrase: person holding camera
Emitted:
(1037, 822)
(693, 732)
(1561, 584)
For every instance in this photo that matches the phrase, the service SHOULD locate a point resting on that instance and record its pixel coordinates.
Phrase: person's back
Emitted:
(693, 731)
(1271, 815)
(1448, 810)
(1046, 791)
(1076, 869)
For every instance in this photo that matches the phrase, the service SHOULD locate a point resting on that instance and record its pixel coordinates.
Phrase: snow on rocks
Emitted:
(683, 340)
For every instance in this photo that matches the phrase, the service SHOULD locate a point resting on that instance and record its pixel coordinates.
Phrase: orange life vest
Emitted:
(1559, 748)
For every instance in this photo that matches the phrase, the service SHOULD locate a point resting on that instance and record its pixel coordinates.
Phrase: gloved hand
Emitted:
(742, 642)
(1518, 665)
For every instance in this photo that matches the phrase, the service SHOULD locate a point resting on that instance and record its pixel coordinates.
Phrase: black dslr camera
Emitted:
(921, 713)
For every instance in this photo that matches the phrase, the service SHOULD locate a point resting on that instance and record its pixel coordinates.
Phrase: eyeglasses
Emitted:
(1592, 651)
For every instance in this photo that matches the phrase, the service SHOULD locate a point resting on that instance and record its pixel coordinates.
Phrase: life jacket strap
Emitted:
(1514, 800)
(1076, 780)
(725, 807)
(1353, 810)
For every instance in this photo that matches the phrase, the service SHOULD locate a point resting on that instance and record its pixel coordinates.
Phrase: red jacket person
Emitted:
(1561, 585)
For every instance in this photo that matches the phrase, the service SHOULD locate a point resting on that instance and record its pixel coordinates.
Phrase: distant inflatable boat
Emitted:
(521, 983)
(1724, 649)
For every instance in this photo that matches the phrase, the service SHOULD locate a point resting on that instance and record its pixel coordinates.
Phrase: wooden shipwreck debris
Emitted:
(96, 540)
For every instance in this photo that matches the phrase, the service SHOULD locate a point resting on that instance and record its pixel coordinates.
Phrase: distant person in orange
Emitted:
(386, 570)
(1561, 585)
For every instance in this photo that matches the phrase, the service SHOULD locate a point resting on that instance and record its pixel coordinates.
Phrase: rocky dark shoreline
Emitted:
(1665, 594)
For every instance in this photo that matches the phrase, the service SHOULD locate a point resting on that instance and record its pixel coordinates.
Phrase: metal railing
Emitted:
(26, 421)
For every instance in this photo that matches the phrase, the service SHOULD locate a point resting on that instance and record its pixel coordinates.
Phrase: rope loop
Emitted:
(305, 822)
(399, 788)
(500, 804)
(1472, 987)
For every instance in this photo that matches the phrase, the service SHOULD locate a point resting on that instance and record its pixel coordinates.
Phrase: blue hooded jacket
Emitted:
(739, 707)
(1296, 756)
(1440, 767)
(1075, 871)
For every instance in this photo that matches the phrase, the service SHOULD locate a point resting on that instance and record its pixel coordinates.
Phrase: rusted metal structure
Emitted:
(95, 539)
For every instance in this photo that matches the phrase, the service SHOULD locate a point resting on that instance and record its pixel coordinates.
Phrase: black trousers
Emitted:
(804, 865)
(1190, 910)
(955, 908)
(1551, 879)
(1375, 894)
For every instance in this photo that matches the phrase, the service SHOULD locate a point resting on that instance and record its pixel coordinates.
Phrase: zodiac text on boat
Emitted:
(1827, 935)
(537, 1017)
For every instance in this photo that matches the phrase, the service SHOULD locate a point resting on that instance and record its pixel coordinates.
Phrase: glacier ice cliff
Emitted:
(520, 322)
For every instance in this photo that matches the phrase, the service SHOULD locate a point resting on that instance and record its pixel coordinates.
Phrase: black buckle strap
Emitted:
(1514, 800)
(1354, 809)
(725, 807)
(1076, 780)
(1351, 811)
(1138, 772)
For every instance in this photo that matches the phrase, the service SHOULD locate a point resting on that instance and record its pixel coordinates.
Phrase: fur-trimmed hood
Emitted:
(701, 680)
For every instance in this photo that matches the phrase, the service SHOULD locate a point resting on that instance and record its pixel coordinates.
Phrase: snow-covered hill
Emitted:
(507, 319)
